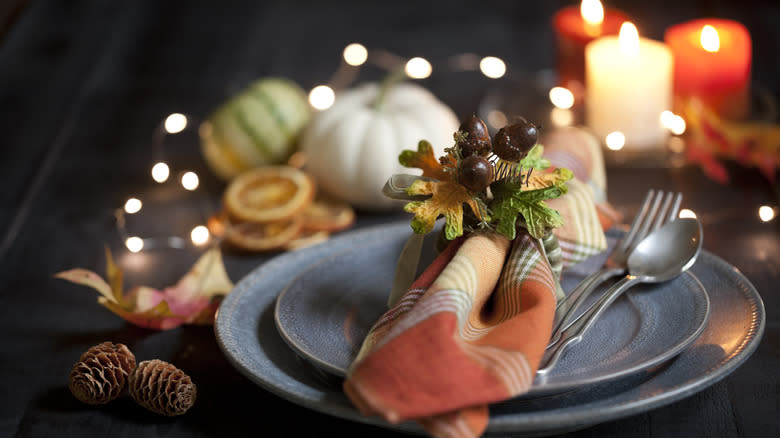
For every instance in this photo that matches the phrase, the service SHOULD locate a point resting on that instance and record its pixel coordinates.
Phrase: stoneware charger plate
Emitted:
(246, 332)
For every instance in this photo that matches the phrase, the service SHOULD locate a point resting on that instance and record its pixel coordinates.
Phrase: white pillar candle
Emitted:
(628, 85)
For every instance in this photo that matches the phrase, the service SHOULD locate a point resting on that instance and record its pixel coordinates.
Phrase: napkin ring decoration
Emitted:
(504, 183)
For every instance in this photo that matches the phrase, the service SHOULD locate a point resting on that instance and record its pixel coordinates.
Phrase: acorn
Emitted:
(475, 173)
(477, 141)
(512, 143)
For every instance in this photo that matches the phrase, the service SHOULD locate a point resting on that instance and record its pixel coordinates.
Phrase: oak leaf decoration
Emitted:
(447, 200)
(425, 158)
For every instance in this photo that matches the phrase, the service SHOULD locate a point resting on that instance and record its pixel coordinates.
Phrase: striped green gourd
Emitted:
(258, 126)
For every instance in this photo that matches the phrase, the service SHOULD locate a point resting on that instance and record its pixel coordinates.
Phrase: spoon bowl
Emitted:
(667, 252)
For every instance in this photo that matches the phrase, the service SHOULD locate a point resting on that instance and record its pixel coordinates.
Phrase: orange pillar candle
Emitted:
(712, 63)
(574, 28)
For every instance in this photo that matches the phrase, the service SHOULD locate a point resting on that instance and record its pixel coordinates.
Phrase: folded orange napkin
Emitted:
(473, 327)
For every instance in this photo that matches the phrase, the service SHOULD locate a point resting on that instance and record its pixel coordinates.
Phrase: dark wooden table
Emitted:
(84, 84)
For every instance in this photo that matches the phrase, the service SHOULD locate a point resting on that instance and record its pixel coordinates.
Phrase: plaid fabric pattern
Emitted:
(472, 328)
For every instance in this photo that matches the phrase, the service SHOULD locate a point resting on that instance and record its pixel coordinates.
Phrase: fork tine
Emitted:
(643, 210)
(675, 207)
(646, 222)
(662, 214)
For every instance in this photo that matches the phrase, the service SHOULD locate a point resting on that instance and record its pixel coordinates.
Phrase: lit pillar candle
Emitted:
(575, 27)
(628, 85)
(712, 63)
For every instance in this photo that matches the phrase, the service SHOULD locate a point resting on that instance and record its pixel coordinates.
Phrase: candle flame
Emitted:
(629, 39)
(592, 12)
(709, 39)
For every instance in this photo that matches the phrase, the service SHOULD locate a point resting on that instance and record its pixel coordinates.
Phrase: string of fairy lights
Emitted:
(323, 96)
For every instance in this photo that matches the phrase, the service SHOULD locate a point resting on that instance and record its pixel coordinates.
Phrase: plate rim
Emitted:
(581, 415)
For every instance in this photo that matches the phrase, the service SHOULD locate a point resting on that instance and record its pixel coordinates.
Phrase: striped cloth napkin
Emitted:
(472, 328)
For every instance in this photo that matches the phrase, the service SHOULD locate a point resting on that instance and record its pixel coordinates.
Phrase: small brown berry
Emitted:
(162, 388)
(477, 141)
(475, 173)
(101, 373)
(513, 142)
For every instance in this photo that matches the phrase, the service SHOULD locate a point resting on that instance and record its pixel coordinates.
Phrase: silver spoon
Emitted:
(664, 254)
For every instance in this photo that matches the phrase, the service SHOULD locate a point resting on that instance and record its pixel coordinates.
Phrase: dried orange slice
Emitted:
(268, 194)
(264, 236)
(328, 215)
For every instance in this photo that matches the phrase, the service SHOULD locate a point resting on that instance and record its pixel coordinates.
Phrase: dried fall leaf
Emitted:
(425, 158)
(541, 180)
(447, 200)
(748, 143)
(194, 299)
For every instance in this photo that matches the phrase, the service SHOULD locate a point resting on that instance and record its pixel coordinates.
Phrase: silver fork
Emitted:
(656, 210)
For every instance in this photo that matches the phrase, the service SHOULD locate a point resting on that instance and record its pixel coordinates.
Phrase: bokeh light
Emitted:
(160, 172)
(673, 122)
(355, 54)
(175, 123)
(418, 68)
(134, 244)
(200, 235)
(561, 97)
(133, 205)
(615, 140)
(190, 181)
(322, 97)
(492, 67)
(766, 213)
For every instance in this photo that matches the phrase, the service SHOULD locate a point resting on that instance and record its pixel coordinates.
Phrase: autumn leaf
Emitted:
(510, 200)
(540, 180)
(447, 200)
(425, 158)
(748, 143)
(534, 159)
(194, 299)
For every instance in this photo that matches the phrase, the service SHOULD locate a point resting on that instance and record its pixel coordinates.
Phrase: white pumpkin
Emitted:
(352, 148)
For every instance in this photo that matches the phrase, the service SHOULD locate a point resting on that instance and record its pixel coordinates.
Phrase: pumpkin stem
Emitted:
(389, 82)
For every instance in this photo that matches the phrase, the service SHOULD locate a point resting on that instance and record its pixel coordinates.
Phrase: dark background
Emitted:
(83, 84)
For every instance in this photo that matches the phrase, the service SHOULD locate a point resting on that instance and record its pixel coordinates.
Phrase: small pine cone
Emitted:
(162, 388)
(101, 373)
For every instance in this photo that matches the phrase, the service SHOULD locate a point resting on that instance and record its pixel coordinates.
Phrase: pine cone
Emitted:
(101, 373)
(162, 388)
